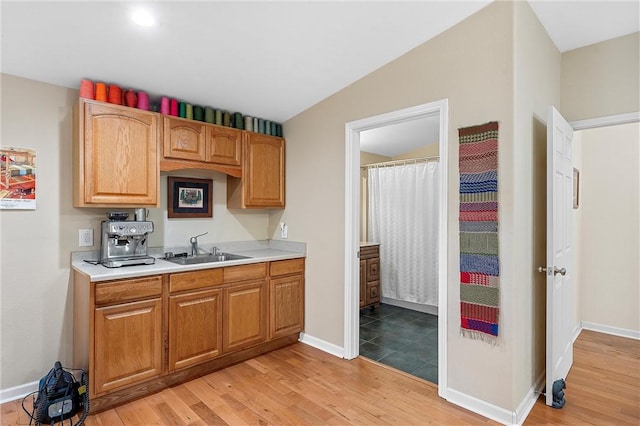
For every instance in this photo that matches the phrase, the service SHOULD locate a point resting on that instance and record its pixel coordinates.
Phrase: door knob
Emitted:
(556, 271)
(561, 271)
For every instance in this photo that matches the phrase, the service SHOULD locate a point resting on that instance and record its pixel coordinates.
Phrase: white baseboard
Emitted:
(323, 345)
(17, 392)
(529, 400)
(427, 309)
(480, 407)
(607, 329)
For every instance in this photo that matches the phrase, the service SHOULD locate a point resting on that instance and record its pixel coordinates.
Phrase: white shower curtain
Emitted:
(403, 218)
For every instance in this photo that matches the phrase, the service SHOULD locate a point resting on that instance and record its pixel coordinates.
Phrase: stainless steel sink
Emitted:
(205, 258)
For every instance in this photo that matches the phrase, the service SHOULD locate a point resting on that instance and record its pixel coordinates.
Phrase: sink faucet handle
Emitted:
(194, 244)
(194, 240)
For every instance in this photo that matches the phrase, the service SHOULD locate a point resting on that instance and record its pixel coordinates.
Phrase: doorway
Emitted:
(352, 222)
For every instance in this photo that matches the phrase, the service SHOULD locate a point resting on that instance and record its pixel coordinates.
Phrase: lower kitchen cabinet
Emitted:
(245, 314)
(137, 336)
(286, 298)
(128, 344)
(195, 328)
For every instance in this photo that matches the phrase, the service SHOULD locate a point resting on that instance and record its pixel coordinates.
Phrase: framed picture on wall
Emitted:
(576, 188)
(189, 197)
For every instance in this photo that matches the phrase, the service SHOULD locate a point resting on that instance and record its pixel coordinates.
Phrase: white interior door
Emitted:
(560, 319)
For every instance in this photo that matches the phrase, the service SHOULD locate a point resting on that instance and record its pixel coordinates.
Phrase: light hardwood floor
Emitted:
(302, 385)
(603, 386)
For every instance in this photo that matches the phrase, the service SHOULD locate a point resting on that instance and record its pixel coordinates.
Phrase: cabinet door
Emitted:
(224, 145)
(286, 306)
(184, 139)
(244, 315)
(195, 328)
(373, 269)
(116, 156)
(263, 172)
(128, 344)
(373, 292)
(363, 282)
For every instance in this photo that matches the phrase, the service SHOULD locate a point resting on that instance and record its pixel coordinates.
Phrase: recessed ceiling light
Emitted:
(143, 18)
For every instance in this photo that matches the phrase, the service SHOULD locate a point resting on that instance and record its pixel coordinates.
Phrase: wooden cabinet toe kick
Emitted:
(122, 396)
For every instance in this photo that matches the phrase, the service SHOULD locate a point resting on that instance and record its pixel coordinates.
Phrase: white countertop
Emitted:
(368, 244)
(257, 251)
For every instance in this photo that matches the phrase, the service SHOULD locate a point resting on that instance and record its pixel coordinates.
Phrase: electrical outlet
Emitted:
(284, 230)
(85, 237)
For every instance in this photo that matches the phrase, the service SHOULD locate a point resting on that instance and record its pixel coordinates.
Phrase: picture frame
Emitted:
(576, 188)
(189, 197)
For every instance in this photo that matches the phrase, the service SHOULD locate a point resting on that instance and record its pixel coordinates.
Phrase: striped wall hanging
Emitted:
(479, 254)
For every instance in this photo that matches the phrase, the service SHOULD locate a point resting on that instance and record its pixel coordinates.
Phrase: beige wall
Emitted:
(537, 86)
(431, 150)
(601, 79)
(35, 303)
(470, 66)
(610, 228)
(369, 158)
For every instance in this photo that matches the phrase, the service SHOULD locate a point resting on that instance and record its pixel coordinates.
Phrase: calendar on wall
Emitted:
(17, 178)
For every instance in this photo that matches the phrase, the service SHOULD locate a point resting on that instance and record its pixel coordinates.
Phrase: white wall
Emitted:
(35, 300)
(610, 227)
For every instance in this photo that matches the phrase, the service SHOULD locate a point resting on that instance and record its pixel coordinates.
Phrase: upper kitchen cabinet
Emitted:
(224, 145)
(115, 156)
(189, 144)
(184, 139)
(262, 183)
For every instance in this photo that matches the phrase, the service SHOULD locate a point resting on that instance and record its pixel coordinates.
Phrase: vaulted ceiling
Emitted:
(262, 58)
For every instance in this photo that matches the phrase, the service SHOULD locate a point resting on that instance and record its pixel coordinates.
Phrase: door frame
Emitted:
(352, 228)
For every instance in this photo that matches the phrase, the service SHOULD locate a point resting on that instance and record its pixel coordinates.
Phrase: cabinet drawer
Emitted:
(128, 290)
(369, 252)
(194, 280)
(245, 272)
(285, 267)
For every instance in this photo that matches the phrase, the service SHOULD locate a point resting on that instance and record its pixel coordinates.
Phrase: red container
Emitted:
(87, 90)
(115, 94)
(130, 99)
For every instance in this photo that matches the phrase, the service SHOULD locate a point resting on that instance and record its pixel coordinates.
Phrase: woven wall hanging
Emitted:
(479, 254)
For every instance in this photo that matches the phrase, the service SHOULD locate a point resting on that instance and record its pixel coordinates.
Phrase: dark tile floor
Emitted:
(401, 338)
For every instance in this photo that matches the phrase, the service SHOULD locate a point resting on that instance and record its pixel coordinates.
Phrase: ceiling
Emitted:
(264, 58)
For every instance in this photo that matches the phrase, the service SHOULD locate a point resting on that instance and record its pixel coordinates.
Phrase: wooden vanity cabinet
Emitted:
(286, 297)
(363, 283)
(195, 318)
(370, 255)
(126, 346)
(262, 184)
(115, 156)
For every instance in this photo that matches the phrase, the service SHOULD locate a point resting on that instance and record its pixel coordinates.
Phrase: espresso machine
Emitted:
(124, 242)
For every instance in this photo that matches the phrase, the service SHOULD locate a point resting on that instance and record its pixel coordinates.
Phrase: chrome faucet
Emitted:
(194, 244)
